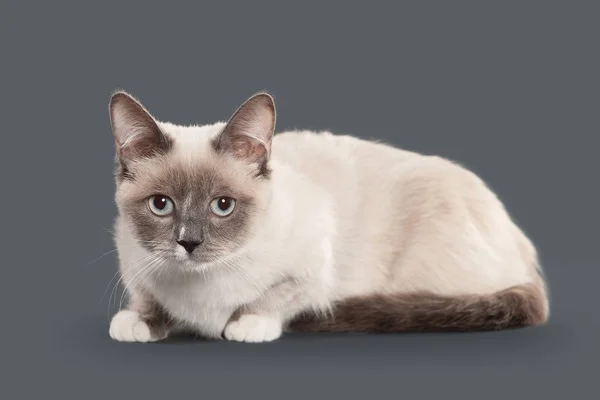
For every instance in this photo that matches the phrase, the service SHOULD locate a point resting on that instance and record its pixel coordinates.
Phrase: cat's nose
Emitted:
(189, 245)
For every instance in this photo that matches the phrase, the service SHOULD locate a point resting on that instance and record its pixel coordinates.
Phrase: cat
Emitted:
(229, 232)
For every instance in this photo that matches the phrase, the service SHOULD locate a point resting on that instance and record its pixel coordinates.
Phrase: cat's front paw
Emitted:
(127, 326)
(253, 328)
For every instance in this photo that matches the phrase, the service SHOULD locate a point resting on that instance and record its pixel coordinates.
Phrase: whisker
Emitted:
(112, 251)
(96, 259)
(139, 274)
(128, 284)
(157, 267)
(148, 271)
(133, 265)
(119, 271)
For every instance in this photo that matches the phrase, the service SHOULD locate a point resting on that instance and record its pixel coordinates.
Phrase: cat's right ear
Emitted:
(136, 133)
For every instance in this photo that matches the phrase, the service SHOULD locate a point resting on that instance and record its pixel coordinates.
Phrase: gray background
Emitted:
(509, 89)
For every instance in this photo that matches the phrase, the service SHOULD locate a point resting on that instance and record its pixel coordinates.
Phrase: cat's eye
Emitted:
(222, 206)
(160, 205)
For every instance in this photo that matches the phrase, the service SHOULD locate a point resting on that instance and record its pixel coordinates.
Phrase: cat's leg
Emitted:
(308, 287)
(263, 320)
(144, 320)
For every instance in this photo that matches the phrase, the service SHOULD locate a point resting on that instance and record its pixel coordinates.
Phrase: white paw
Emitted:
(253, 328)
(126, 326)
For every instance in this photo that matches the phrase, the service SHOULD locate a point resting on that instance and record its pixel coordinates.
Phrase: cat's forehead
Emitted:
(190, 141)
(192, 166)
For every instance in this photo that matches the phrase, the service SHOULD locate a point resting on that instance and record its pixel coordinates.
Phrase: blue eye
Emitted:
(222, 206)
(160, 205)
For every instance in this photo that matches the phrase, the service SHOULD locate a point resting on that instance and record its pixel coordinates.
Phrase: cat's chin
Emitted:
(189, 264)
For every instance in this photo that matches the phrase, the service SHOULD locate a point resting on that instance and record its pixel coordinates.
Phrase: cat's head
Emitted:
(192, 194)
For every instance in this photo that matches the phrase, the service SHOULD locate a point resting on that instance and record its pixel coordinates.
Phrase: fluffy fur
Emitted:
(329, 233)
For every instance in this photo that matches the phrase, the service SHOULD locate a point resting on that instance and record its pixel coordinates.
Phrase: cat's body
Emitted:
(335, 220)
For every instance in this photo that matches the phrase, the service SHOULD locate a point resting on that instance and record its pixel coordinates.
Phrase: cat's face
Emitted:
(193, 194)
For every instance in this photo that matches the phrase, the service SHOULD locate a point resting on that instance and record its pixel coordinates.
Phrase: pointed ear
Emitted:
(136, 133)
(248, 134)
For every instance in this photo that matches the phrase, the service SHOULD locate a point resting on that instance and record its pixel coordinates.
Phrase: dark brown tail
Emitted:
(518, 306)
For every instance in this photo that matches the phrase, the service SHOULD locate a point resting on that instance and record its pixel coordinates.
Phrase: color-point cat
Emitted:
(229, 232)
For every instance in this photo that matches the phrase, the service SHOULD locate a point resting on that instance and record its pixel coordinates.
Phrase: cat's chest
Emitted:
(205, 303)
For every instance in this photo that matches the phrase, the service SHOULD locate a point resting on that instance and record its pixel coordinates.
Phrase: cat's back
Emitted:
(339, 160)
(396, 200)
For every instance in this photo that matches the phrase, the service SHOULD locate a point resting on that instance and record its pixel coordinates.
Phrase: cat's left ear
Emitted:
(249, 133)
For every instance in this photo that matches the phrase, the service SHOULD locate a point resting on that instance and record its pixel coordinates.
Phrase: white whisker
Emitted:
(141, 272)
(118, 272)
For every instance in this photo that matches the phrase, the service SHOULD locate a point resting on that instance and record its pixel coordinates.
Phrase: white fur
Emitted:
(126, 326)
(347, 218)
(253, 328)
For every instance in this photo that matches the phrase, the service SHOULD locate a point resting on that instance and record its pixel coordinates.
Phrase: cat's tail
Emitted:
(518, 306)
